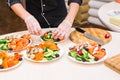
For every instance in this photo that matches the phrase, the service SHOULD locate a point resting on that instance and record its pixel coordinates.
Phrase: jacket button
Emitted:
(43, 13)
(44, 5)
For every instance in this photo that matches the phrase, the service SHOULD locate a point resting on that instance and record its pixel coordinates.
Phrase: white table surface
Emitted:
(64, 68)
(104, 16)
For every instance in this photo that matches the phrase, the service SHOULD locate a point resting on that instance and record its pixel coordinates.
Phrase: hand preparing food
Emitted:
(48, 37)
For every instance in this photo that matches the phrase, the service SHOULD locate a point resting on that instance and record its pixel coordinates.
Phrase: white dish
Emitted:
(61, 52)
(17, 65)
(106, 11)
(14, 37)
(113, 12)
(55, 41)
(101, 60)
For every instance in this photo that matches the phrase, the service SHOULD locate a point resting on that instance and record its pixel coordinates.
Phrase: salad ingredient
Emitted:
(44, 51)
(1, 67)
(14, 42)
(100, 54)
(107, 35)
(9, 59)
(87, 52)
(79, 52)
(4, 44)
(48, 37)
(38, 56)
(17, 44)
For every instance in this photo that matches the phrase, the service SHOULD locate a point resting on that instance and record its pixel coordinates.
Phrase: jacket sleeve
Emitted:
(75, 1)
(11, 2)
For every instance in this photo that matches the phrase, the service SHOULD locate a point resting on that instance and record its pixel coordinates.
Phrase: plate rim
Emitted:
(81, 62)
(13, 67)
(61, 53)
(55, 41)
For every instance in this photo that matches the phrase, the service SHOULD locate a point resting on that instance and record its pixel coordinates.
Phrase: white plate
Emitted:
(113, 12)
(106, 11)
(101, 60)
(61, 52)
(6, 69)
(15, 66)
(55, 41)
(18, 36)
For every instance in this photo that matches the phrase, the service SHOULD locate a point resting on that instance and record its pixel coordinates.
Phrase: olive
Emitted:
(10, 49)
(57, 55)
(20, 59)
(96, 59)
(57, 39)
(83, 60)
(1, 67)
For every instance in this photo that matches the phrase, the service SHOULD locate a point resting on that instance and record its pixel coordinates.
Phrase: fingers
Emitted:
(33, 26)
(59, 34)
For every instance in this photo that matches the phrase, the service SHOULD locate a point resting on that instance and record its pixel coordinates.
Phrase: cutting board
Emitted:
(78, 37)
(113, 63)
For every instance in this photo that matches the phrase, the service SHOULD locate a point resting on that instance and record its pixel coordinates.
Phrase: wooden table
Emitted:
(65, 69)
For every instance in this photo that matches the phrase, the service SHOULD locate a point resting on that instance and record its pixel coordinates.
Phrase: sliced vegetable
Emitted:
(44, 51)
(87, 52)
(48, 37)
(9, 59)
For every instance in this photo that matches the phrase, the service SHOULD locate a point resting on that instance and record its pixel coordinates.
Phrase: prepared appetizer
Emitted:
(8, 60)
(48, 37)
(14, 42)
(87, 52)
(46, 51)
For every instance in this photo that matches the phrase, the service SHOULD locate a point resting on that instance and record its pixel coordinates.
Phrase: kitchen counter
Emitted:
(64, 68)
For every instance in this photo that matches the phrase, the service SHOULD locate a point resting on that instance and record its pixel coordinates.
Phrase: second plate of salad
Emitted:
(87, 53)
(47, 36)
(43, 52)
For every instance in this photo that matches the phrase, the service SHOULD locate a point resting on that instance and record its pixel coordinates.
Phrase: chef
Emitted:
(47, 13)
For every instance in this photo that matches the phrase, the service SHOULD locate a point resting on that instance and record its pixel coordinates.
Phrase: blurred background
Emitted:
(87, 14)
(9, 22)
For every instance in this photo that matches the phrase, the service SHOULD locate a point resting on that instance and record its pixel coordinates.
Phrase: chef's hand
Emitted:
(63, 30)
(33, 26)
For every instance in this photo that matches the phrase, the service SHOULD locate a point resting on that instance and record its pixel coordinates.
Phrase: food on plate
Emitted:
(45, 51)
(87, 52)
(48, 37)
(8, 60)
(107, 35)
(14, 42)
(115, 20)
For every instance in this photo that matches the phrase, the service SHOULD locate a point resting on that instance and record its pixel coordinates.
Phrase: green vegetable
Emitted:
(73, 54)
(1, 45)
(85, 57)
(50, 54)
(4, 44)
(85, 53)
(4, 41)
(49, 37)
(5, 47)
(49, 58)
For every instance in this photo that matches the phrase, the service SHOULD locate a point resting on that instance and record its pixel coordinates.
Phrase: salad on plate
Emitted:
(47, 36)
(9, 60)
(87, 53)
(14, 42)
(43, 52)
